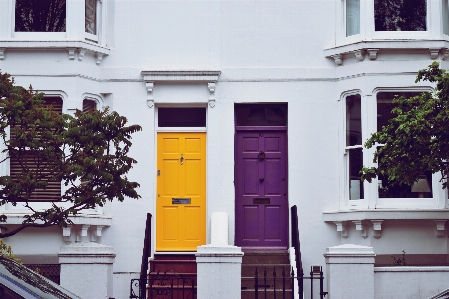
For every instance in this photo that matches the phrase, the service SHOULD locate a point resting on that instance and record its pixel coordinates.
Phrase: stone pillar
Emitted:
(219, 265)
(350, 271)
(86, 269)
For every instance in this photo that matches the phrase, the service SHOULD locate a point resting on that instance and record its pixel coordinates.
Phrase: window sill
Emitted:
(75, 48)
(362, 218)
(372, 48)
(16, 217)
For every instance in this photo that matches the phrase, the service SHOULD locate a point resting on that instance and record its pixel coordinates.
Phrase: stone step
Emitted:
(250, 269)
(249, 283)
(251, 294)
(266, 257)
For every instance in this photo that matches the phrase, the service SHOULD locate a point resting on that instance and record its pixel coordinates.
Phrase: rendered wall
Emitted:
(267, 51)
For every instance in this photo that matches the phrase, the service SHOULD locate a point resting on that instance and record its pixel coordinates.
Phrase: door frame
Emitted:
(157, 130)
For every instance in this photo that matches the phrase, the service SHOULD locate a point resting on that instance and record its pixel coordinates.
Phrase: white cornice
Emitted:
(181, 75)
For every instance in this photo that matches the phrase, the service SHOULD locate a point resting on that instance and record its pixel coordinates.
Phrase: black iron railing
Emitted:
(282, 285)
(165, 285)
(296, 245)
(140, 293)
(50, 271)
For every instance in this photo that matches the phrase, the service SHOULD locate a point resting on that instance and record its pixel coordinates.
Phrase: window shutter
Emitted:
(53, 190)
(89, 105)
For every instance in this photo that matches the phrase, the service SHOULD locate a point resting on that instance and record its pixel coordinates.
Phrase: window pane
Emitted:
(445, 17)
(353, 120)
(420, 189)
(400, 15)
(261, 114)
(355, 165)
(91, 16)
(352, 17)
(182, 117)
(40, 15)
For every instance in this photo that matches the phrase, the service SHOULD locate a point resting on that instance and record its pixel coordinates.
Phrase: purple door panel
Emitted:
(261, 189)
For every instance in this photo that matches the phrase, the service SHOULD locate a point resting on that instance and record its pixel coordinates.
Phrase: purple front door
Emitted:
(261, 189)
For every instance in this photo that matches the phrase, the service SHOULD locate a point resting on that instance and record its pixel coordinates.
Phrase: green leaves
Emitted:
(87, 152)
(416, 140)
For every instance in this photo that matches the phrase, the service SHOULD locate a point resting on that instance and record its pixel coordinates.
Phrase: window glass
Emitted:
(354, 145)
(400, 15)
(40, 16)
(261, 114)
(91, 17)
(445, 17)
(182, 117)
(423, 187)
(352, 17)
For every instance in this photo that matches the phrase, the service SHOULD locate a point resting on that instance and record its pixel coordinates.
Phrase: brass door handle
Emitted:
(181, 160)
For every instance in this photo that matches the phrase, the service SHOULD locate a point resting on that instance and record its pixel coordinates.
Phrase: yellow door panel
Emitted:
(181, 191)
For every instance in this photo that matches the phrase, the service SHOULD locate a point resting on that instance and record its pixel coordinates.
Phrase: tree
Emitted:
(416, 140)
(87, 153)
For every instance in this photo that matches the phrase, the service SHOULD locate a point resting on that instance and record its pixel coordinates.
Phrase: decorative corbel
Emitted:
(440, 228)
(211, 87)
(359, 225)
(99, 57)
(338, 58)
(81, 54)
(445, 53)
(2, 53)
(150, 99)
(434, 52)
(372, 53)
(66, 233)
(72, 52)
(377, 227)
(341, 227)
(84, 229)
(359, 55)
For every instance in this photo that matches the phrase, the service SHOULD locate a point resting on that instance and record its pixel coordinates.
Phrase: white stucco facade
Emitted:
(290, 52)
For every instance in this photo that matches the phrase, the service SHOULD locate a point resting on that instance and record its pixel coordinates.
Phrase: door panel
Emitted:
(261, 189)
(181, 160)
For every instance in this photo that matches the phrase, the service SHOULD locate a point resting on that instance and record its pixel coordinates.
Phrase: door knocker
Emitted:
(261, 155)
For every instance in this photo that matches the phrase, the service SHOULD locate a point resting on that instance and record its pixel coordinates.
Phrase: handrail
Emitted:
(145, 255)
(296, 245)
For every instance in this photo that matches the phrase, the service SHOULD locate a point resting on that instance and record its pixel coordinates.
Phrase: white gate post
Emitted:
(219, 265)
(86, 269)
(350, 271)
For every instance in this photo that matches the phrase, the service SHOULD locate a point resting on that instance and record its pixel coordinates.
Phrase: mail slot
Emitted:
(180, 201)
(261, 200)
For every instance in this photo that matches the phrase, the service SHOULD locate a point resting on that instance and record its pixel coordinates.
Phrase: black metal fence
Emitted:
(282, 284)
(50, 271)
(164, 285)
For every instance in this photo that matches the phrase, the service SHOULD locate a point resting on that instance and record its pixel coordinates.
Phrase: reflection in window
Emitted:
(261, 114)
(354, 145)
(40, 16)
(181, 117)
(423, 187)
(352, 17)
(400, 15)
(91, 17)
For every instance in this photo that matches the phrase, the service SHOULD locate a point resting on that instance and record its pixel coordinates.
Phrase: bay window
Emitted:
(77, 26)
(364, 116)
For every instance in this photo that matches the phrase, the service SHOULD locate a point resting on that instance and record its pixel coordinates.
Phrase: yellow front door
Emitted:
(181, 191)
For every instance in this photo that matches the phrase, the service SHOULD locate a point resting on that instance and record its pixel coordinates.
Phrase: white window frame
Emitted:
(367, 28)
(75, 24)
(371, 198)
